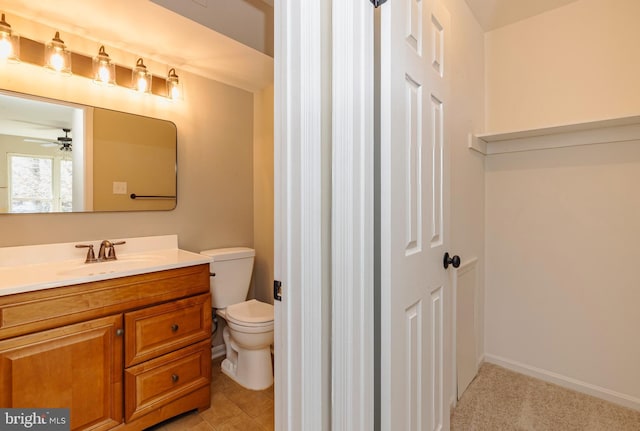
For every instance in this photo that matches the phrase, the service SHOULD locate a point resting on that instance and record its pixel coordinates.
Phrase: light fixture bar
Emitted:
(32, 52)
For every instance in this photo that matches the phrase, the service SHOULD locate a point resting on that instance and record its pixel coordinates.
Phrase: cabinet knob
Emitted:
(175, 327)
(175, 378)
(119, 332)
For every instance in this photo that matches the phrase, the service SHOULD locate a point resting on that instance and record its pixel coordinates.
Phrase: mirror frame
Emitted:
(152, 201)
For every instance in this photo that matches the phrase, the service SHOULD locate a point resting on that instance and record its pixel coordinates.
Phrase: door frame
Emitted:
(353, 232)
(324, 227)
(300, 336)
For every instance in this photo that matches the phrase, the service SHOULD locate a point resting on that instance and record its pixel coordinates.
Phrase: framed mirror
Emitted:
(61, 157)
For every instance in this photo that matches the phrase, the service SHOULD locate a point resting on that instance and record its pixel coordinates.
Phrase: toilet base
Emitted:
(257, 377)
(251, 369)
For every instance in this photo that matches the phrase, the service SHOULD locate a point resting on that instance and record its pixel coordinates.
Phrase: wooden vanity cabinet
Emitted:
(122, 354)
(78, 367)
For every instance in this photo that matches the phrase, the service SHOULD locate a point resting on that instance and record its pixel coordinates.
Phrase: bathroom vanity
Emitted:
(123, 349)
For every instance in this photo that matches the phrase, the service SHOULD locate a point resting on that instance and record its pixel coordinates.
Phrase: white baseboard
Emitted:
(566, 382)
(218, 351)
(479, 361)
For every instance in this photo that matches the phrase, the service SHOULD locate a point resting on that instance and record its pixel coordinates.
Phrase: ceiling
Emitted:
(247, 21)
(17, 116)
(492, 14)
(149, 30)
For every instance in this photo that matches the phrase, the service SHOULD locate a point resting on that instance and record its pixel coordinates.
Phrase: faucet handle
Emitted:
(91, 256)
(111, 251)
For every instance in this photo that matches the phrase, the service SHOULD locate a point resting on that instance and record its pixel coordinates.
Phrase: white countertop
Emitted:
(31, 268)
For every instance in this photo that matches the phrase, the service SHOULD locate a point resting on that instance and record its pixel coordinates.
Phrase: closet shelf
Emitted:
(568, 135)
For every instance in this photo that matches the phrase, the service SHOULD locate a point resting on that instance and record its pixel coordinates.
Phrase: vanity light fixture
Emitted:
(104, 71)
(9, 43)
(101, 69)
(174, 87)
(141, 78)
(56, 56)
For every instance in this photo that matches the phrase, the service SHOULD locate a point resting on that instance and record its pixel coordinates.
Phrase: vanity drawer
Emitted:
(151, 385)
(161, 329)
(28, 312)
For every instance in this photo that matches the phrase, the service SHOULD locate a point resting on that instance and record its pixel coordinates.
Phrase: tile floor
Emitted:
(232, 408)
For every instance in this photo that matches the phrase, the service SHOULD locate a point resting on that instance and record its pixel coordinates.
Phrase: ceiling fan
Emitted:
(65, 142)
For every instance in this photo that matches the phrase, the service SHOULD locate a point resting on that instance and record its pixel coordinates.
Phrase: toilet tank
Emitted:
(232, 268)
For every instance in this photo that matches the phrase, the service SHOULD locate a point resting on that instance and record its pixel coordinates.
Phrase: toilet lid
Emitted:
(251, 311)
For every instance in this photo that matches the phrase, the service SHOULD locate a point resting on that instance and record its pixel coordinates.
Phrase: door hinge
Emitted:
(377, 3)
(277, 290)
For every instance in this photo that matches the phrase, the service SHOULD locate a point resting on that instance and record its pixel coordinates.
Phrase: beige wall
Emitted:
(562, 292)
(561, 225)
(135, 150)
(263, 195)
(576, 63)
(215, 165)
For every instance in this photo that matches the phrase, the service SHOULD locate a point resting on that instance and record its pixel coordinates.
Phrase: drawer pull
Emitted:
(175, 327)
(175, 378)
(119, 332)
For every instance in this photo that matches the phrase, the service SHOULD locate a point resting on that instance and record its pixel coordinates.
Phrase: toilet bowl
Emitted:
(248, 338)
(248, 335)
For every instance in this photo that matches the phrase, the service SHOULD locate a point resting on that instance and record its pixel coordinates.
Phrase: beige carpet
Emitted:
(501, 400)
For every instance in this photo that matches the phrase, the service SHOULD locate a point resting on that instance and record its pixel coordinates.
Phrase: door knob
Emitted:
(451, 260)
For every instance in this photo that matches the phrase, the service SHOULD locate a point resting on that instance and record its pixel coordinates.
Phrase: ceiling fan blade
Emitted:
(38, 141)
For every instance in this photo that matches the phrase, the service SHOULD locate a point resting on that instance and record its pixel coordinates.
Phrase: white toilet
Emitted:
(248, 335)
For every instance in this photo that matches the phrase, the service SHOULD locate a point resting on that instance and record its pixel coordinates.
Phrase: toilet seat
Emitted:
(250, 313)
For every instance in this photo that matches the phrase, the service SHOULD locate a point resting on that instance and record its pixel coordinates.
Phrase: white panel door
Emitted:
(414, 214)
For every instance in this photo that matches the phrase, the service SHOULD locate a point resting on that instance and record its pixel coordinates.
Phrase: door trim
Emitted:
(301, 372)
(352, 217)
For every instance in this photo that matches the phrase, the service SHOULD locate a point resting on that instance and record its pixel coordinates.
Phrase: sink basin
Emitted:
(122, 264)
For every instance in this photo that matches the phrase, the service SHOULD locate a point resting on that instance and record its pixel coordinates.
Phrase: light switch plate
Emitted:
(119, 188)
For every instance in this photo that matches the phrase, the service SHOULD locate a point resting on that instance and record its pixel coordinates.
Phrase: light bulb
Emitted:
(141, 78)
(142, 84)
(103, 74)
(57, 62)
(57, 58)
(175, 93)
(104, 71)
(6, 49)
(174, 90)
(9, 42)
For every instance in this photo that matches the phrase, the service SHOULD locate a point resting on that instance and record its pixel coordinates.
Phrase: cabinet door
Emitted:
(77, 367)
